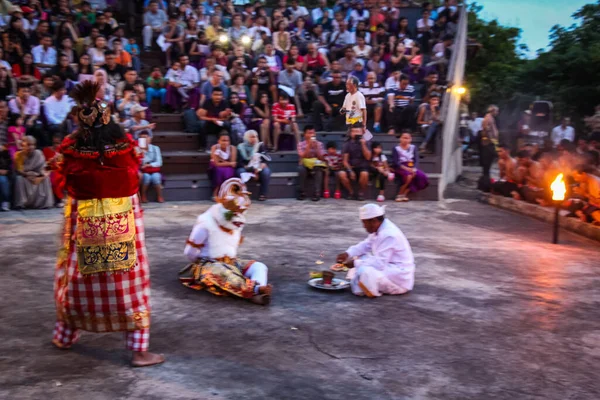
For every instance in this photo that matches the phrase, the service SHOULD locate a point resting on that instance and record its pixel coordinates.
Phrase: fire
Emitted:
(558, 188)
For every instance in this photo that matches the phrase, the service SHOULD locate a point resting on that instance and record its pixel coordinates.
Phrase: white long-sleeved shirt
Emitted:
(56, 111)
(558, 134)
(387, 250)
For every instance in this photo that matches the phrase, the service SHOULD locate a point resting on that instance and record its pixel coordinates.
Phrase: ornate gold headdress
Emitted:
(92, 112)
(234, 195)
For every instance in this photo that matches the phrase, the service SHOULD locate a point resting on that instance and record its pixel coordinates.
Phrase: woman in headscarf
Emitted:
(32, 182)
(251, 162)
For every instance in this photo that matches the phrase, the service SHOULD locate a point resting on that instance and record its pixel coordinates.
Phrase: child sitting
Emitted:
(156, 87)
(16, 132)
(380, 169)
(174, 76)
(134, 50)
(334, 164)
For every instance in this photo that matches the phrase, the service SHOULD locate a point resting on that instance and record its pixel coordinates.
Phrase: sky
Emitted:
(534, 17)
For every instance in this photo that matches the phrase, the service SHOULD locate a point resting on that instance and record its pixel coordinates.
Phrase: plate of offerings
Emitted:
(326, 281)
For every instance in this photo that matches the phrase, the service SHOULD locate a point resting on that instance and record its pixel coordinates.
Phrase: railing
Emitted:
(450, 113)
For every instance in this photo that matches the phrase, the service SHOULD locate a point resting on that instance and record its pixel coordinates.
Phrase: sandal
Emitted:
(262, 197)
(399, 198)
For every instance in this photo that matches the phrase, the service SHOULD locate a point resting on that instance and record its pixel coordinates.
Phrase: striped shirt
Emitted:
(288, 113)
(377, 92)
(402, 97)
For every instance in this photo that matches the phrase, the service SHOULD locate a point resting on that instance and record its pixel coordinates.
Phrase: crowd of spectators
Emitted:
(229, 66)
(527, 173)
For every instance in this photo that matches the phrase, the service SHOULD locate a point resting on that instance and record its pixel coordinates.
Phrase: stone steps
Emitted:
(185, 169)
(187, 187)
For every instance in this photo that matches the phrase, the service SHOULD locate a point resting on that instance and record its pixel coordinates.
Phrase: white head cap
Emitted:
(370, 211)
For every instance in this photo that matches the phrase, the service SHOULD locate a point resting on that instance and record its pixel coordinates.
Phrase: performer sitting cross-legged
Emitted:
(383, 263)
(102, 278)
(212, 248)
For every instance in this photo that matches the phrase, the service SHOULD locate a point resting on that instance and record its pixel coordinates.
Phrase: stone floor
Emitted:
(497, 313)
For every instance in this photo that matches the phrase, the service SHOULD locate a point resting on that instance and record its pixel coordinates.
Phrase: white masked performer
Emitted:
(383, 263)
(213, 245)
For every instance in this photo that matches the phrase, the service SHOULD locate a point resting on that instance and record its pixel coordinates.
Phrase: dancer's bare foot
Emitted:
(146, 359)
(265, 289)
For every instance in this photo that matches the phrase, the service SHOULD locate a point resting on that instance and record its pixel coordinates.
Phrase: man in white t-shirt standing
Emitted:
(354, 105)
(563, 131)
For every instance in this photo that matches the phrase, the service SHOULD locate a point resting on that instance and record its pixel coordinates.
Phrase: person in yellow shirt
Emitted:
(214, 29)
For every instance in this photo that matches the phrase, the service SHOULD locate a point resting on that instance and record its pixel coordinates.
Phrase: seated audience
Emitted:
(5, 174)
(333, 158)
(263, 80)
(507, 184)
(290, 81)
(155, 20)
(374, 96)
(284, 119)
(57, 179)
(28, 106)
(214, 116)
(251, 161)
(15, 133)
(588, 192)
(401, 107)
(107, 91)
(311, 155)
(44, 55)
(530, 178)
(56, 109)
(223, 161)
(151, 165)
(380, 170)
(405, 159)
(428, 119)
(563, 131)
(32, 183)
(357, 161)
(138, 123)
(156, 87)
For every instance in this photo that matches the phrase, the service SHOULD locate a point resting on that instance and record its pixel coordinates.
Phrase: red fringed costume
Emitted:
(102, 281)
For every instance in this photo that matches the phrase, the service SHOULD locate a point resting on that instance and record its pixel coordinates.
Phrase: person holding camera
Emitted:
(263, 80)
(357, 161)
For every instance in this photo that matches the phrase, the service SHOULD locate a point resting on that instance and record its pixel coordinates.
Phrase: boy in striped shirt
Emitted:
(284, 116)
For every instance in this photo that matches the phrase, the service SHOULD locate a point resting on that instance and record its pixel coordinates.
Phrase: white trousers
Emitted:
(147, 33)
(257, 272)
(369, 281)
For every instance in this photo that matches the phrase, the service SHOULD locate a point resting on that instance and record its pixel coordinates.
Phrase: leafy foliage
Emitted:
(566, 74)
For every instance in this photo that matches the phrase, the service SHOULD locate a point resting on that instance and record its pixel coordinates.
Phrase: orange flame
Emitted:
(558, 188)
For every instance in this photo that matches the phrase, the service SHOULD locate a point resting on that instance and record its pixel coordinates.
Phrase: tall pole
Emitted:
(556, 215)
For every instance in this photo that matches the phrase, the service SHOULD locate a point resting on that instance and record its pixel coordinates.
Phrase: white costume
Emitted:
(384, 262)
(213, 244)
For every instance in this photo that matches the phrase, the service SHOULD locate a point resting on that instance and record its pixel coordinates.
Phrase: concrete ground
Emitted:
(497, 313)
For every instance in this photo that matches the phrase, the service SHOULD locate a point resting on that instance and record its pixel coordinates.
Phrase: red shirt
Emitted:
(287, 113)
(87, 178)
(315, 62)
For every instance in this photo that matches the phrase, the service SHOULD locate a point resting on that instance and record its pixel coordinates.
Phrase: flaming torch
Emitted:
(558, 196)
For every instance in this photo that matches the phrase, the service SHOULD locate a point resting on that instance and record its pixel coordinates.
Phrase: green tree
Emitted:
(493, 74)
(567, 73)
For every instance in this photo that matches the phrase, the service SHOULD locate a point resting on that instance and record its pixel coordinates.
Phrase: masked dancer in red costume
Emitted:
(102, 281)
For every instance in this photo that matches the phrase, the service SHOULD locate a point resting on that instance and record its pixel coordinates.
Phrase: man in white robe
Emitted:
(383, 263)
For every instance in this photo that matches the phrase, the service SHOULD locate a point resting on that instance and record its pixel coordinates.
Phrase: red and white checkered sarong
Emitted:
(102, 302)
